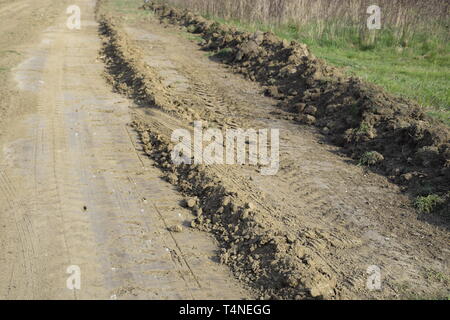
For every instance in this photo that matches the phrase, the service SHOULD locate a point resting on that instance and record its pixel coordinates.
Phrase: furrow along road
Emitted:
(92, 205)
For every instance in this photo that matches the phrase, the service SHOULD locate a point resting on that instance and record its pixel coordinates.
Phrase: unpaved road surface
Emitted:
(77, 189)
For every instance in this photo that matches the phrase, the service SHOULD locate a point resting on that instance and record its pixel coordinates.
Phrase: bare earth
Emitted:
(77, 189)
(75, 192)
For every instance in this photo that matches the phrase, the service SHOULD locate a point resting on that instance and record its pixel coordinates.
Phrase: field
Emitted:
(409, 56)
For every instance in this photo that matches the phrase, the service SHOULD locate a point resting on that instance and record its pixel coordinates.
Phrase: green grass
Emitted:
(192, 37)
(420, 79)
(128, 8)
(437, 276)
(419, 70)
(370, 158)
(428, 204)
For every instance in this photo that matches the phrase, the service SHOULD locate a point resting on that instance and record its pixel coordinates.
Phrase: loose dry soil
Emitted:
(87, 179)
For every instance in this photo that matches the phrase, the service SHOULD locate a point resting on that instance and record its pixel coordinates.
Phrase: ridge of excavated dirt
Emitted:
(389, 133)
(276, 265)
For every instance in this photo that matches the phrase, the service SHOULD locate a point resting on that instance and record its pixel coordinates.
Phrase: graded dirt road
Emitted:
(77, 188)
(345, 218)
(75, 191)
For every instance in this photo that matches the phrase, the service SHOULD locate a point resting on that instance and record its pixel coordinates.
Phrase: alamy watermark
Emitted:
(212, 146)
(73, 282)
(373, 282)
(374, 20)
(74, 20)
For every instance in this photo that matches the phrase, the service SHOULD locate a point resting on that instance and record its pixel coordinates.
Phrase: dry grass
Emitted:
(405, 17)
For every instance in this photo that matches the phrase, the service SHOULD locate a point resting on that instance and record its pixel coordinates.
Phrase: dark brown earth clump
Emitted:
(274, 264)
(408, 146)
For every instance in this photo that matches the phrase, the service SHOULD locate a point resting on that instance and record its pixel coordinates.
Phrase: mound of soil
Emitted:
(275, 264)
(411, 148)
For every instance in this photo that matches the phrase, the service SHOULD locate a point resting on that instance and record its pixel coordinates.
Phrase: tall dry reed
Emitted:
(405, 18)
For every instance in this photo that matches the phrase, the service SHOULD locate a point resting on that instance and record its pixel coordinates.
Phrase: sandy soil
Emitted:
(347, 218)
(77, 186)
(75, 191)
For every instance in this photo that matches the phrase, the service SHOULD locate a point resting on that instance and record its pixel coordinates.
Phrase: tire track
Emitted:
(336, 211)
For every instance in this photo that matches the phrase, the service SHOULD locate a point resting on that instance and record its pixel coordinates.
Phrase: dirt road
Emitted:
(75, 191)
(78, 189)
(345, 218)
